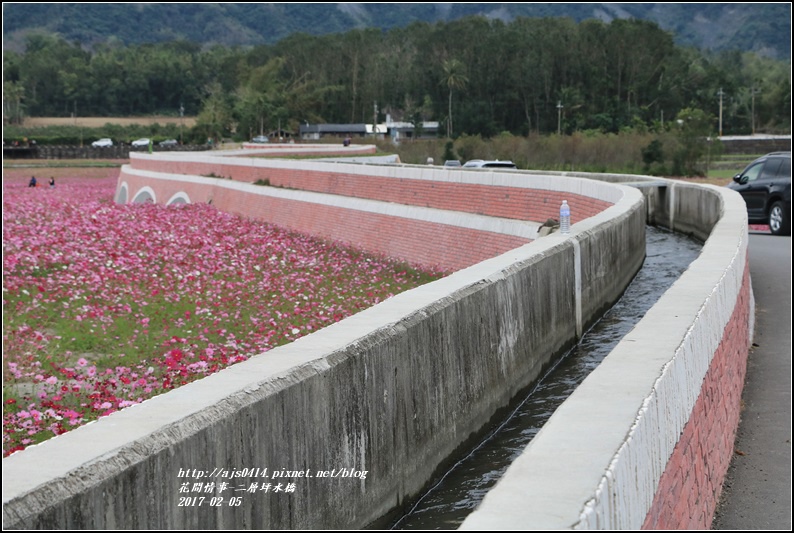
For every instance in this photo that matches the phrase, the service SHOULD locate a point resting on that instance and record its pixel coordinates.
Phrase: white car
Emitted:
(102, 143)
(140, 143)
(479, 163)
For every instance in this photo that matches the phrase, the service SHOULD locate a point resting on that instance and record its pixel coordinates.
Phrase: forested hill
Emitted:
(764, 28)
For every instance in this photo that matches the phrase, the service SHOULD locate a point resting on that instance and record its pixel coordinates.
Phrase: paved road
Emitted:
(757, 490)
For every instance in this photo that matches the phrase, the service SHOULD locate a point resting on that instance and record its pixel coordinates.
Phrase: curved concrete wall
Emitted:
(290, 149)
(503, 194)
(428, 237)
(463, 217)
(646, 440)
(392, 391)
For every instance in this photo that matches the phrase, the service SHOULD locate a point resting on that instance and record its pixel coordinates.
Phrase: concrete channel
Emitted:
(462, 488)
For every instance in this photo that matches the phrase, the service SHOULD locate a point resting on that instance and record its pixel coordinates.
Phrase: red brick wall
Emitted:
(692, 481)
(427, 244)
(506, 202)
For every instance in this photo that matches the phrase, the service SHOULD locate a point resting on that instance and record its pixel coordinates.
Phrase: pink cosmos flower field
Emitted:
(106, 305)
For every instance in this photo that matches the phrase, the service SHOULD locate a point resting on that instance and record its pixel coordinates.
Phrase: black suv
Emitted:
(765, 186)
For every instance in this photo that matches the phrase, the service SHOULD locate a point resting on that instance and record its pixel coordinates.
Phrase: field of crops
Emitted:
(107, 305)
(98, 122)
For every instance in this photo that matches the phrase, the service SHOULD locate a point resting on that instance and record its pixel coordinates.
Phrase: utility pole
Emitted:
(559, 116)
(753, 92)
(720, 94)
(74, 115)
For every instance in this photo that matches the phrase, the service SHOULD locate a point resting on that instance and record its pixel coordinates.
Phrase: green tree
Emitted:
(258, 97)
(454, 79)
(13, 94)
(215, 117)
(693, 129)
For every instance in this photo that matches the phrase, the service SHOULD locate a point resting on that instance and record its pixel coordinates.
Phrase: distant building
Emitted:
(397, 131)
(313, 132)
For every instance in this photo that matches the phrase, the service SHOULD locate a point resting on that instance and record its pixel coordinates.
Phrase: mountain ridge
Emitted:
(764, 28)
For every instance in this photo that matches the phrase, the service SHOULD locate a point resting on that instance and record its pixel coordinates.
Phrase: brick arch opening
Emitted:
(144, 196)
(179, 198)
(121, 195)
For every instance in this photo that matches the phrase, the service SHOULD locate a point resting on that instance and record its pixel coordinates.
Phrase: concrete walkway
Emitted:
(757, 490)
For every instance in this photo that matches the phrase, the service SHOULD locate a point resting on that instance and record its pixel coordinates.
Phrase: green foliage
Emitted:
(454, 79)
(652, 154)
(78, 135)
(752, 26)
(215, 118)
(449, 151)
(472, 147)
(13, 108)
(618, 77)
(592, 152)
(693, 132)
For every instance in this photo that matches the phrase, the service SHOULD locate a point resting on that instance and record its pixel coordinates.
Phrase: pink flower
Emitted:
(214, 276)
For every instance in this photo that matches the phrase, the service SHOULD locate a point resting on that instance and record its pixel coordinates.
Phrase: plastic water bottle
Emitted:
(565, 217)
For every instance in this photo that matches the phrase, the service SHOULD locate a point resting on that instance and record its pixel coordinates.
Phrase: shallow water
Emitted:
(446, 505)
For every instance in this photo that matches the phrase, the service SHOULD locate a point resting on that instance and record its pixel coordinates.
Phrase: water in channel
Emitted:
(447, 504)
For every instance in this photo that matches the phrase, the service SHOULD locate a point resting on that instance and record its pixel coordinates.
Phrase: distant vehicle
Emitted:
(452, 163)
(765, 186)
(260, 139)
(168, 142)
(140, 143)
(479, 163)
(102, 143)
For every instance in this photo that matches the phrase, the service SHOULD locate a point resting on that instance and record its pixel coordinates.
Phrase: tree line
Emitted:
(474, 76)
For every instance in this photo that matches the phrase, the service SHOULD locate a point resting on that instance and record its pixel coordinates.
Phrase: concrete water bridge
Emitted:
(358, 418)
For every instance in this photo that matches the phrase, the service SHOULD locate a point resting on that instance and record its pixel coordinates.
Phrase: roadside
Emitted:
(757, 489)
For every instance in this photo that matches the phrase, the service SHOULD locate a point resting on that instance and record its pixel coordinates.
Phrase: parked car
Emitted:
(260, 139)
(140, 143)
(102, 143)
(452, 163)
(765, 186)
(169, 142)
(479, 163)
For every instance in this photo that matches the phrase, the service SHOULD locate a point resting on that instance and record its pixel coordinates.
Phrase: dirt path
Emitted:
(98, 122)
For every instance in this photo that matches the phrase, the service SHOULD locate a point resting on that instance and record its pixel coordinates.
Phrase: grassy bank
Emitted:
(625, 153)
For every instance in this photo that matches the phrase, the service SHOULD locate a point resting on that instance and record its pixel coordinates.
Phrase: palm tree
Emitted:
(454, 78)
